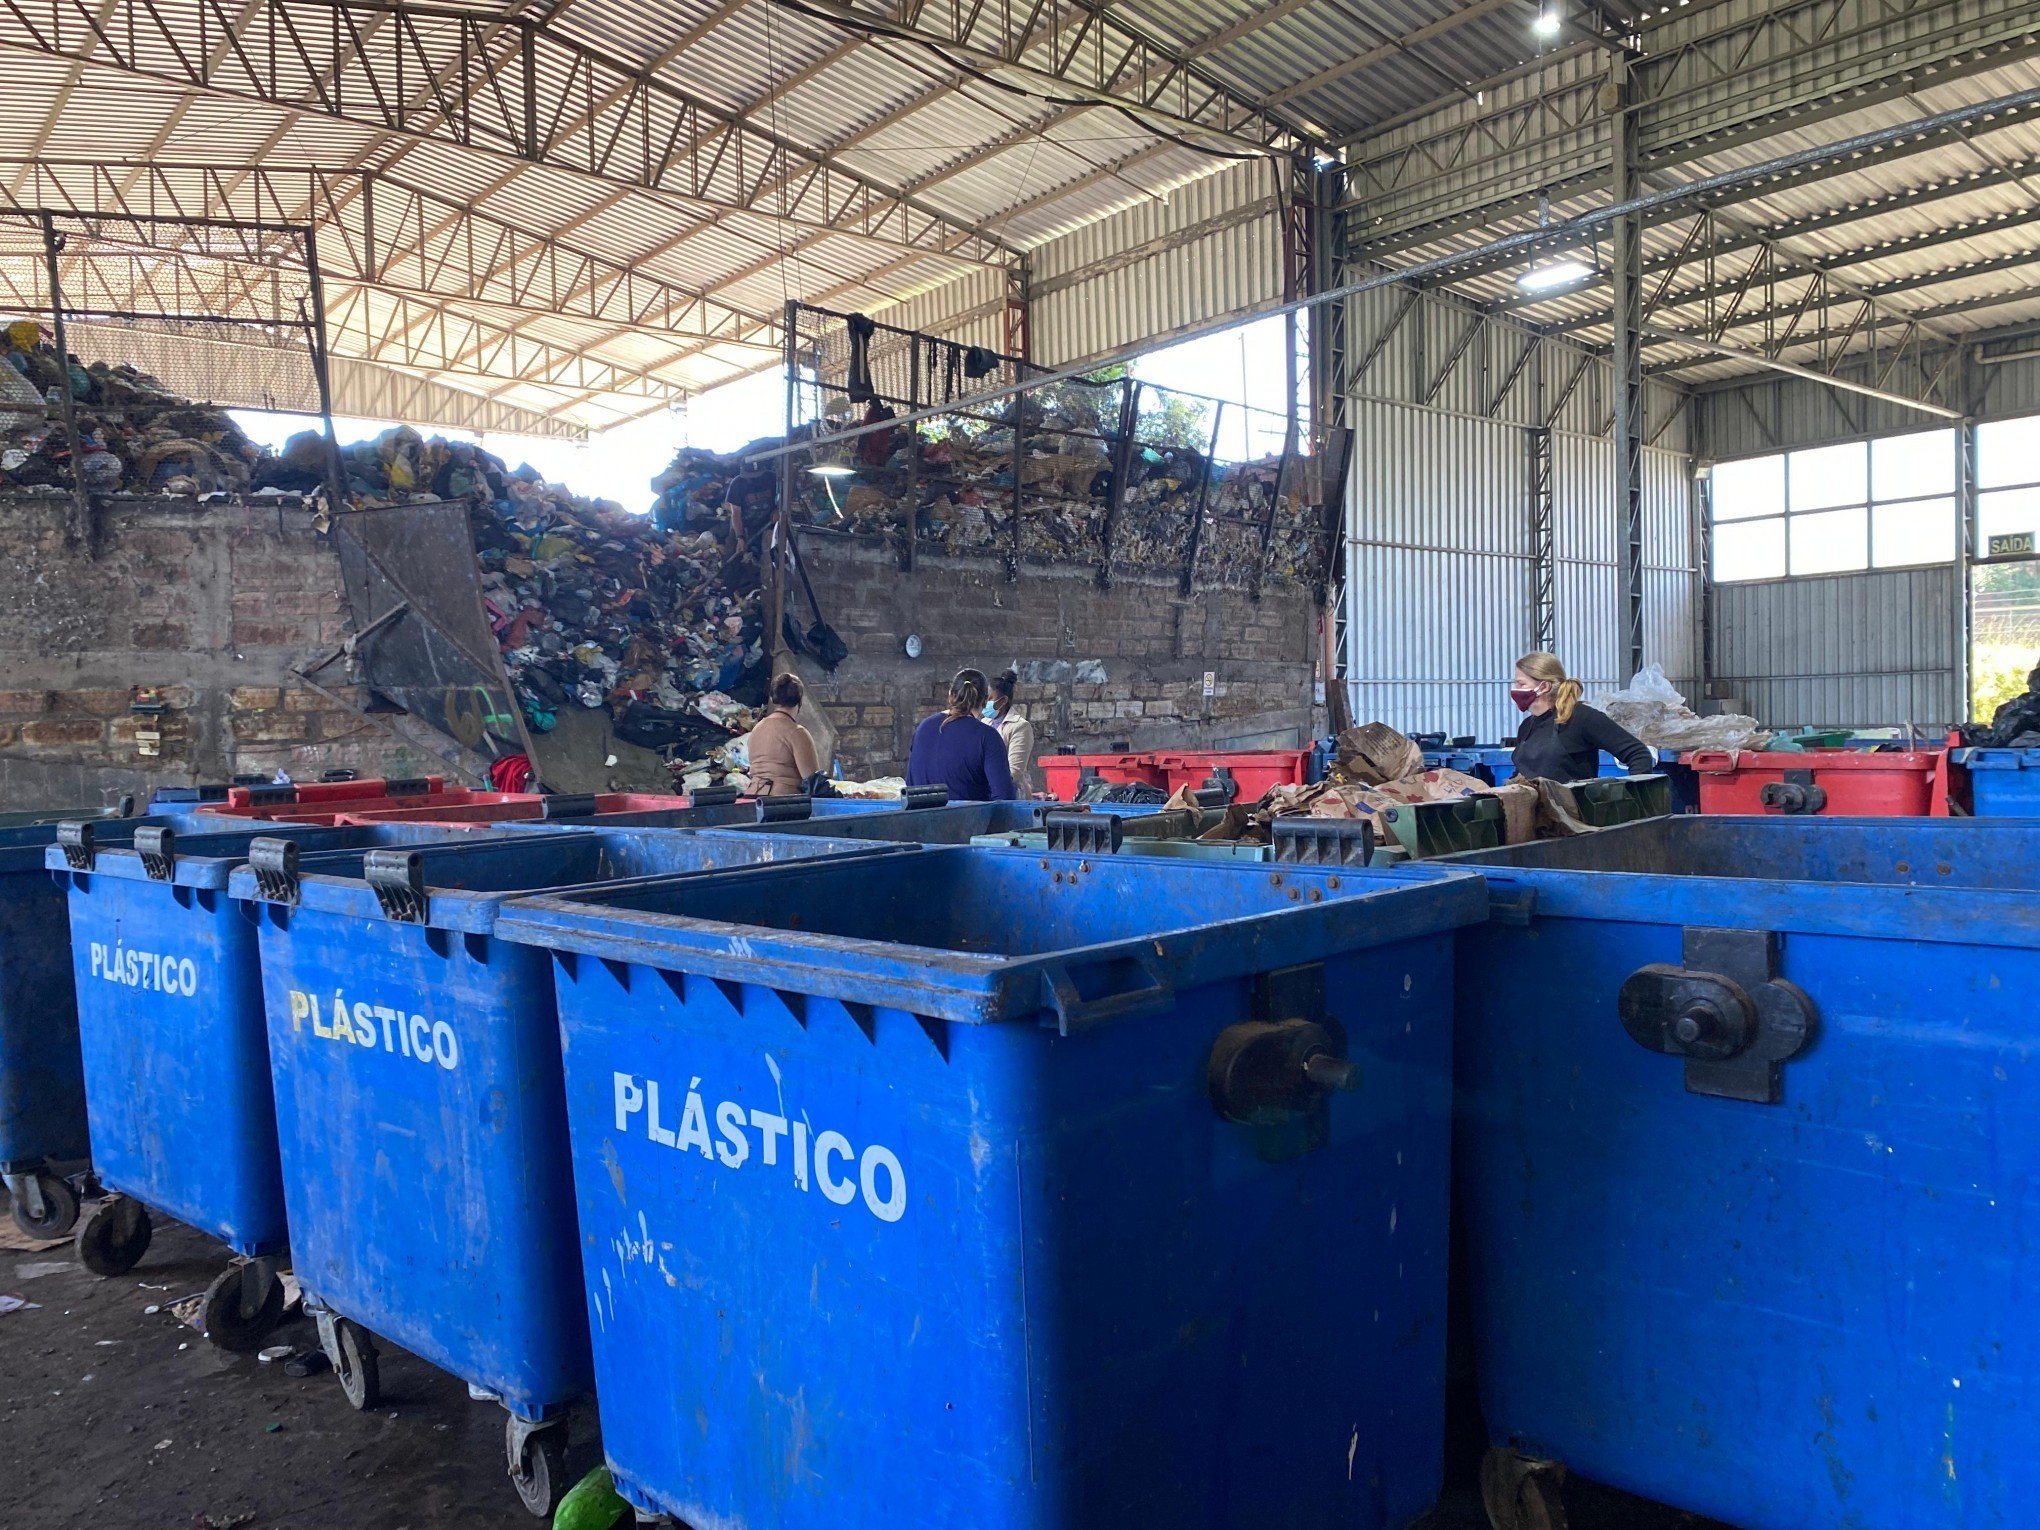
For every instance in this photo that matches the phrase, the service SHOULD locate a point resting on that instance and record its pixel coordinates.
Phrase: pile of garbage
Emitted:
(2014, 725)
(1653, 710)
(958, 475)
(137, 436)
(594, 607)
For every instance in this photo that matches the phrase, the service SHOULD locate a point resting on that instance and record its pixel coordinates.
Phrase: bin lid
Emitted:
(460, 880)
(984, 935)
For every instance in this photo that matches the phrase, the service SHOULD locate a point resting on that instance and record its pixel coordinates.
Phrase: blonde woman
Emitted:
(1560, 740)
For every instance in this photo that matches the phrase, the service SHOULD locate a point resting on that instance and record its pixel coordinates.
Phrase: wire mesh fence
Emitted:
(1107, 470)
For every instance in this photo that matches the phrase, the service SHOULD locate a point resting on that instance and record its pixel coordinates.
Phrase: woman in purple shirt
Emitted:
(956, 750)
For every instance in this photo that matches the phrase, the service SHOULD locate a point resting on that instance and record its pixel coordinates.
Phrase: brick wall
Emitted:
(211, 605)
(1096, 665)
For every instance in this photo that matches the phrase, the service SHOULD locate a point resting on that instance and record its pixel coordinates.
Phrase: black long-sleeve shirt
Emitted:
(1573, 752)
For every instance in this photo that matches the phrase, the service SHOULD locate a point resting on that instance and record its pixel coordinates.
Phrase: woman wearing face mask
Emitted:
(1560, 740)
(959, 750)
(1016, 731)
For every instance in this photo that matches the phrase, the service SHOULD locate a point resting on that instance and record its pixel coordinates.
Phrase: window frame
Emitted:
(1869, 505)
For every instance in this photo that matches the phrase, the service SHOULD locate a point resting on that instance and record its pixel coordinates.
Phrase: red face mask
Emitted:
(1525, 696)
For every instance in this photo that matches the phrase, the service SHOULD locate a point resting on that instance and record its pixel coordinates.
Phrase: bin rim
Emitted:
(1963, 916)
(989, 988)
(195, 867)
(469, 911)
(1996, 757)
(1721, 762)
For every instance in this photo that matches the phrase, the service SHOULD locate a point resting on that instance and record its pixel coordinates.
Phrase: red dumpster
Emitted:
(1251, 771)
(1065, 773)
(1840, 783)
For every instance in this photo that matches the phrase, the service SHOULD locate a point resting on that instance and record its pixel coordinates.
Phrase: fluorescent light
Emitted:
(833, 470)
(1557, 274)
(1546, 24)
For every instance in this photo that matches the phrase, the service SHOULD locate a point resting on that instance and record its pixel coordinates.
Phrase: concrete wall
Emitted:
(1096, 665)
(210, 604)
(214, 605)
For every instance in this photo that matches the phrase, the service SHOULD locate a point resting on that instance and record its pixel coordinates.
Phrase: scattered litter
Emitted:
(188, 1310)
(36, 1269)
(274, 1353)
(310, 1363)
(272, 1428)
(17, 1304)
(213, 1522)
(163, 1444)
(14, 1241)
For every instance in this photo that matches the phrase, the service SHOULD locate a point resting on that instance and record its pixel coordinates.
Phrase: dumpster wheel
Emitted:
(114, 1236)
(354, 1361)
(59, 1208)
(538, 1463)
(234, 1320)
(1520, 1492)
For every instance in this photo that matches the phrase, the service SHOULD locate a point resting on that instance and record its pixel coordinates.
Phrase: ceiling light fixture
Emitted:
(1558, 273)
(1547, 23)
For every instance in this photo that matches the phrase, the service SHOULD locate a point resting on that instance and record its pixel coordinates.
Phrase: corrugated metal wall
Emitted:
(1848, 650)
(1867, 649)
(1213, 247)
(1439, 553)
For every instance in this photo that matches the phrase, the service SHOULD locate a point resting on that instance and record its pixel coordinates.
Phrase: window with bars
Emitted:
(1886, 503)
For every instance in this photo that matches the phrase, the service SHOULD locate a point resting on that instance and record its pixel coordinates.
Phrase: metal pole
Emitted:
(322, 376)
(1626, 276)
(1568, 232)
(775, 639)
(81, 502)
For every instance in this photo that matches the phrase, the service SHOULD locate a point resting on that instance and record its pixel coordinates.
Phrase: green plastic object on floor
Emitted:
(591, 1504)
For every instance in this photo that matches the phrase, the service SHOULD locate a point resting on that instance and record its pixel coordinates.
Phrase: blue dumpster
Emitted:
(2003, 783)
(420, 1121)
(175, 1054)
(1748, 1122)
(44, 1144)
(995, 1188)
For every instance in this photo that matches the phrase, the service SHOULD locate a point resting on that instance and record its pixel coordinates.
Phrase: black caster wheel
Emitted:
(538, 1465)
(355, 1364)
(242, 1306)
(114, 1236)
(59, 1209)
(1520, 1493)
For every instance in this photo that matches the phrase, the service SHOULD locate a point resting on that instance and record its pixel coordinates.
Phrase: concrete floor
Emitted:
(113, 1418)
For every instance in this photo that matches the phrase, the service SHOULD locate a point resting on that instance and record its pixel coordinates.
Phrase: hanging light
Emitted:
(1547, 22)
(1557, 273)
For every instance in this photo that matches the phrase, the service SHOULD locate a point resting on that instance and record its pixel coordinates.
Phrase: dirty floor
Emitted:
(114, 1418)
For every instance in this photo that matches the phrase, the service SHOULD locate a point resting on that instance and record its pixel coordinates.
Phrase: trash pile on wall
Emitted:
(138, 437)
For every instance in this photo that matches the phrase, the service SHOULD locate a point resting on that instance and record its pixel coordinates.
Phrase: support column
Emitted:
(1965, 531)
(1626, 276)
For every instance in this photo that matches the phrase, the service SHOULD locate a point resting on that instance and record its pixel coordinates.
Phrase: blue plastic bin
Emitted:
(908, 1203)
(175, 1053)
(1780, 1274)
(44, 1141)
(421, 1124)
(2003, 783)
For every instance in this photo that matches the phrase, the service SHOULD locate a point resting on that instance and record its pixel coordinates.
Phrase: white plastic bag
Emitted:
(1653, 710)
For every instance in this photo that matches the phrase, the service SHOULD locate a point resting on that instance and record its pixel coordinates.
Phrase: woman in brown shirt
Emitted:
(782, 751)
